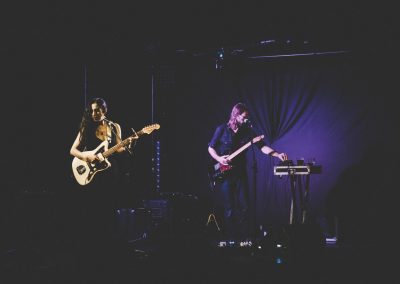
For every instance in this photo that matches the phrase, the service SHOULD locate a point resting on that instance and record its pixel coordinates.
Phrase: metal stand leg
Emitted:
(293, 213)
(305, 201)
(211, 218)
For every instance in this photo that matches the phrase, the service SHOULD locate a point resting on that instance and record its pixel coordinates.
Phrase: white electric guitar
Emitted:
(85, 171)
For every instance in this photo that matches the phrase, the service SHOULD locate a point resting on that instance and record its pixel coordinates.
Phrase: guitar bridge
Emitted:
(224, 168)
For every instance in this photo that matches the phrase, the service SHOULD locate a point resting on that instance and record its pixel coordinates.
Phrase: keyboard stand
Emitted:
(295, 172)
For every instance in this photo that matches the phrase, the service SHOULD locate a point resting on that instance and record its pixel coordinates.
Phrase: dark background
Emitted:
(155, 63)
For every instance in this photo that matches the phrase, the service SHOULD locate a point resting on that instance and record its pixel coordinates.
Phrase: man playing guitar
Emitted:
(228, 147)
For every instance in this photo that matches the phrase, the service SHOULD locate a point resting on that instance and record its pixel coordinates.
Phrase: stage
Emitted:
(195, 259)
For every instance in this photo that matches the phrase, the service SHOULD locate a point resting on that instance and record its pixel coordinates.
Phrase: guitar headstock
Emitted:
(258, 138)
(150, 128)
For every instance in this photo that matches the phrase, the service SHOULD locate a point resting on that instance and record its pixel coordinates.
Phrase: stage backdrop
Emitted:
(336, 110)
(333, 110)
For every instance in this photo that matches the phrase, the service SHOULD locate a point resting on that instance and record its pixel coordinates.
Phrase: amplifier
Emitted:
(159, 208)
(132, 223)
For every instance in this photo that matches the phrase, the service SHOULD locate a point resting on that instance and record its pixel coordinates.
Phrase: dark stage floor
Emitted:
(198, 259)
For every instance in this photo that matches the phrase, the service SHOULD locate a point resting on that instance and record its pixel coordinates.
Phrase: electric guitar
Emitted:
(85, 171)
(218, 171)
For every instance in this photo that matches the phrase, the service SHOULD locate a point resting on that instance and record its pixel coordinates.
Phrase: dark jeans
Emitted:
(235, 198)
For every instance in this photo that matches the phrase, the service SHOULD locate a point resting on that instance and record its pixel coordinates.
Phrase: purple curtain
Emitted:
(322, 108)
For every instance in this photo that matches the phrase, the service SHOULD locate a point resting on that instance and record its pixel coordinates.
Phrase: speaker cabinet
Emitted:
(133, 223)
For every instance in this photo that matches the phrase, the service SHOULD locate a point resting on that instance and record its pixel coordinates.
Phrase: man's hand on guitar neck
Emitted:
(130, 142)
(128, 148)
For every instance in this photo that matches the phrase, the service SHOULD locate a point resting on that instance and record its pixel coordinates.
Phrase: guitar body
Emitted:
(84, 171)
(217, 172)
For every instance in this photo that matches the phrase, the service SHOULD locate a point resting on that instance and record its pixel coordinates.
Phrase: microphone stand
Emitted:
(255, 169)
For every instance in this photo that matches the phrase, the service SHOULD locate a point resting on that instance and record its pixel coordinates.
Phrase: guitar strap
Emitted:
(109, 138)
(112, 126)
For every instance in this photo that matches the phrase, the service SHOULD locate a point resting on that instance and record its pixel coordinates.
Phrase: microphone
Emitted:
(247, 122)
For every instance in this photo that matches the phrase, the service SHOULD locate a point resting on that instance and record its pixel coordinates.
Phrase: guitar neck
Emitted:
(241, 149)
(238, 151)
(121, 144)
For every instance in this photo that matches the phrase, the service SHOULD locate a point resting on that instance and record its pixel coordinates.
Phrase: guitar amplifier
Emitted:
(132, 223)
(161, 215)
(160, 208)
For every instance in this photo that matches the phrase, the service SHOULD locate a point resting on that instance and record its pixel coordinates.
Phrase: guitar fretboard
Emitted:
(241, 149)
(128, 140)
(123, 143)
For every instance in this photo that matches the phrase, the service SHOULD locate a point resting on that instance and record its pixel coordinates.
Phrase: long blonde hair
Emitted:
(237, 110)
